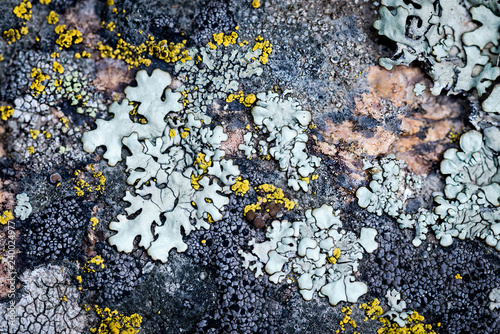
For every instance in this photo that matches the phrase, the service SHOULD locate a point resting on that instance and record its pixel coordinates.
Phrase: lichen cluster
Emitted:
(322, 255)
(176, 167)
(284, 124)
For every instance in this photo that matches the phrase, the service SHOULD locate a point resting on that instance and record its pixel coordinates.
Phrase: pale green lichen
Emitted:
(176, 166)
(494, 297)
(284, 123)
(390, 188)
(322, 255)
(23, 207)
(469, 205)
(441, 34)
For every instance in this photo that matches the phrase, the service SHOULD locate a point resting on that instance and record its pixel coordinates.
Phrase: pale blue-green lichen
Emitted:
(391, 186)
(284, 123)
(23, 207)
(494, 297)
(458, 53)
(176, 167)
(322, 255)
(469, 205)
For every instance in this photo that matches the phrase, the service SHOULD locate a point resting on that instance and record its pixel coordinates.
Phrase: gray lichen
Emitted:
(284, 123)
(176, 167)
(322, 255)
(469, 205)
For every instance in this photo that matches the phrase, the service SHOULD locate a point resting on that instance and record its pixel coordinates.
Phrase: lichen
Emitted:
(176, 177)
(285, 124)
(469, 205)
(306, 249)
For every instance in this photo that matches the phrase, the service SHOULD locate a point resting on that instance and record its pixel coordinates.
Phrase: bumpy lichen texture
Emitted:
(284, 123)
(469, 207)
(390, 188)
(441, 34)
(23, 208)
(176, 166)
(318, 251)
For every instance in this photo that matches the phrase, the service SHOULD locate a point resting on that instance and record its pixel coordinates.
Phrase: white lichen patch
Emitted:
(469, 207)
(176, 166)
(23, 207)
(390, 188)
(494, 297)
(284, 123)
(48, 303)
(322, 255)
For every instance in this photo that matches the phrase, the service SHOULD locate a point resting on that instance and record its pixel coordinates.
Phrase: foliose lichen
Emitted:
(284, 123)
(176, 167)
(469, 206)
(322, 255)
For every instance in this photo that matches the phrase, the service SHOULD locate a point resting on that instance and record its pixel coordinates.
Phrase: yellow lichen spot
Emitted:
(38, 79)
(111, 26)
(46, 134)
(184, 134)
(114, 323)
(94, 263)
(54, 55)
(241, 186)
(85, 54)
(2, 58)
(77, 55)
(265, 46)
(23, 30)
(314, 177)
(56, 67)
(255, 3)
(203, 241)
(171, 133)
(79, 279)
(31, 149)
(11, 35)
(23, 10)
(6, 112)
(195, 181)
(67, 37)
(5, 217)
(45, 2)
(94, 222)
(34, 133)
(335, 256)
(458, 276)
(110, 2)
(52, 18)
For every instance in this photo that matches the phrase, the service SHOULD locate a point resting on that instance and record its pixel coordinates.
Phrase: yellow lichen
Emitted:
(34, 133)
(23, 10)
(255, 3)
(67, 37)
(94, 222)
(6, 112)
(414, 322)
(134, 56)
(11, 35)
(56, 67)
(45, 2)
(346, 319)
(95, 262)
(5, 217)
(335, 256)
(171, 133)
(272, 194)
(247, 100)
(114, 323)
(458, 276)
(265, 46)
(241, 186)
(38, 78)
(52, 18)
(111, 26)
